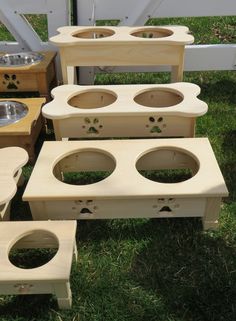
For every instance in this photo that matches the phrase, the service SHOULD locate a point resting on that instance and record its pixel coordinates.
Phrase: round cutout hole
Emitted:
(167, 165)
(94, 33)
(150, 33)
(93, 99)
(158, 97)
(84, 167)
(33, 250)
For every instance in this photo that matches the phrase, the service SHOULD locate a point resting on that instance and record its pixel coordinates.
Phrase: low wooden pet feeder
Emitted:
(114, 179)
(20, 123)
(12, 159)
(122, 46)
(28, 72)
(125, 110)
(51, 277)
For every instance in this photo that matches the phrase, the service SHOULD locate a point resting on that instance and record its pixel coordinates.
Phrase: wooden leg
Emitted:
(176, 73)
(57, 131)
(63, 294)
(38, 211)
(210, 219)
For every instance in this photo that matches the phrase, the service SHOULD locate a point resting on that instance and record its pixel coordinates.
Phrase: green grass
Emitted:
(156, 270)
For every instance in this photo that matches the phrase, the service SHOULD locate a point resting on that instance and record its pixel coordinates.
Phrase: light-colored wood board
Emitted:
(179, 99)
(125, 181)
(11, 161)
(57, 269)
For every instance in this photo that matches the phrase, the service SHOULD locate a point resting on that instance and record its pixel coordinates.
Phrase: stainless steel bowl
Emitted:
(20, 59)
(11, 112)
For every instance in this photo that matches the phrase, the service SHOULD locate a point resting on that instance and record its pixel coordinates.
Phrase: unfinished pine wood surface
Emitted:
(39, 77)
(12, 159)
(125, 193)
(52, 277)
(122, 46)
(24, 132)
(125, 110)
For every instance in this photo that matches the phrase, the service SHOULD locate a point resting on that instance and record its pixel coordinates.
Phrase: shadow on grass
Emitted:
(229, 168)
(193, 273)
(175, 271)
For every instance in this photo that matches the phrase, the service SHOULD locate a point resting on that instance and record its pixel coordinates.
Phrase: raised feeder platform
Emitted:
(20, 123)
(122, 46)
(28, 72)
(125, 110)
(12, 159)
(50, 277)
(114, 179)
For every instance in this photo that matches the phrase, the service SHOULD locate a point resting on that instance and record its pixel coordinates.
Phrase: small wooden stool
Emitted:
(39, 77)
(125, 110)
(11, 161)
(122, 46)
(123, 191)
(52, 277)
(26, 130)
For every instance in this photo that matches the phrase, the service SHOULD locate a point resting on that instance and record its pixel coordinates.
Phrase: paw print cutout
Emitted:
(85, 208)
(11, 161)
(92, 126)
(166, 205)
(10, 81)
(156, 125)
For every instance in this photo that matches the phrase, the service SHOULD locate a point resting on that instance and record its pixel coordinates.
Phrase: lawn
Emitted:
(147, 269)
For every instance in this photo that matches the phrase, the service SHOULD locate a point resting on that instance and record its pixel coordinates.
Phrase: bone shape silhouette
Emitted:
(11, 161)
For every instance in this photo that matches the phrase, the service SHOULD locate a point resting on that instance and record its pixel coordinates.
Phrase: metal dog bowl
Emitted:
(11, 112)
(20, 59)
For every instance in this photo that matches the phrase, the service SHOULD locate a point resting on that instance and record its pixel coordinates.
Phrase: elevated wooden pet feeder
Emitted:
(20, 123)
(51, 277)
(28, 72)
(125, 110)
(123, 191)
(122, 46)
(12, 159)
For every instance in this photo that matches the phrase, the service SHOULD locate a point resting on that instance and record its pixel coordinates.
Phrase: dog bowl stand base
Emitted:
(122, 47)
(125, 111)
(126, 193)
(40, 77)
(52, 277)
(25, 132)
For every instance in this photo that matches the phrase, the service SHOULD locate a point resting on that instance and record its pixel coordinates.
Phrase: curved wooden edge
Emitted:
(11, 161)
(190, 106)
(125, 181)
(58, 268)
(180, 35)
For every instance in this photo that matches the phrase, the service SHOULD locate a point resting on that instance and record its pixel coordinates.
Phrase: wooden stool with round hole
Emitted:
(51, 277)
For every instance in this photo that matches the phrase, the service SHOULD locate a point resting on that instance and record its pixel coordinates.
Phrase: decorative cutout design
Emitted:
(85, 207)
(10, 81)
(155, 125)
(92, 126)
(23, 288)
(166, 205)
